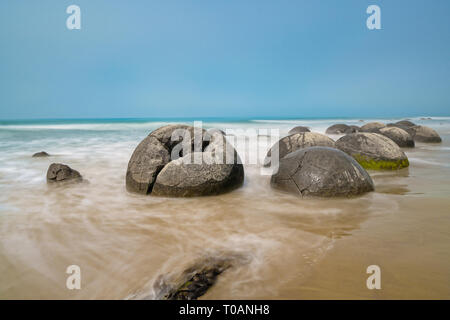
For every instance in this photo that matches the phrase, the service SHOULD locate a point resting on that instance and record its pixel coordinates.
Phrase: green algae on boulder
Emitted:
(373, 151)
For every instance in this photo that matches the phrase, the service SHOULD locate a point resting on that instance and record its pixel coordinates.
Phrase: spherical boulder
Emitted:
(58, 173)
(297, 141)
(41, 154)
(402, 138)
(425, 134)
(372, 127)
(373, 151)
(183, 161)
(299, 129)
(339, 128)
(321, 172)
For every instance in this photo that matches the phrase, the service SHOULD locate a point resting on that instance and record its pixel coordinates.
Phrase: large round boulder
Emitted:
(373, 151)
(402, 138)
(58, 173)
(180, 160)
(339, 128)
(372, 127)
(297, 141)
(321, 172)
(425, 134)
(299, 129)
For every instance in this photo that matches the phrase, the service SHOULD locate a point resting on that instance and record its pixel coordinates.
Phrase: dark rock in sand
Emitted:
(373, 151)
(425, 134)
(297, 141)
(299, 129)
(321, 172)
(167, 164)
(337, 129)
(372, 127)
(399, 136)
(41, 154)
(58, 173)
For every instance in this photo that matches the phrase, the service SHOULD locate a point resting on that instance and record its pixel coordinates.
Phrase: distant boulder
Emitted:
(58, 172)
(352, 129)
(321, 172)
(339, 128)
(297, 141)
(373, 151)
(165, 163)
(299, 129)
(402, 138)
(425, 134)
(41, 154)
(372, 127)
(405, 123)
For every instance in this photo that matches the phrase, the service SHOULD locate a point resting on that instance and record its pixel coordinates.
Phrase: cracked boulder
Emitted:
(58, 173)
(183, 161)
(321, 172)
(297, 141)
(339, 128)
(373, 151)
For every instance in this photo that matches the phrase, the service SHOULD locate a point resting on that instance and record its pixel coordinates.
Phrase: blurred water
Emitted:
(124, 242)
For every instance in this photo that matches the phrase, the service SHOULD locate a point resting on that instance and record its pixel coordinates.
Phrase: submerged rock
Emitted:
(372, 127)
(299, 129)
(297, 141)
(41, 154)
(321, 172)
(399, 136)
(373, 151)
(58, 172)
(181, 161)
(339, 128)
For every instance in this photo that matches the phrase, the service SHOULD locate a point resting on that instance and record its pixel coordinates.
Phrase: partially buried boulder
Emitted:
(352, 129)
(399, 136)
(299, 129)
(372, 127)
(58, 172)
(41, 154)
(373, 151)
(297, 141)
(183, 161)
(339, 128)
(321, 172)
(405, 123)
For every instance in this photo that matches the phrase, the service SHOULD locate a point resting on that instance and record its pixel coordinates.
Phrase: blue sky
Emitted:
(217, 58)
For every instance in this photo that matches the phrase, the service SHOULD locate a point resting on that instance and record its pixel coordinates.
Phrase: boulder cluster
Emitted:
(183, 161)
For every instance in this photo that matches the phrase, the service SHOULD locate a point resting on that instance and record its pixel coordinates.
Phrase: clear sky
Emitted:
(224, 58)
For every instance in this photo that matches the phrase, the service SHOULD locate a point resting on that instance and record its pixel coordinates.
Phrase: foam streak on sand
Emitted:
(292, 248)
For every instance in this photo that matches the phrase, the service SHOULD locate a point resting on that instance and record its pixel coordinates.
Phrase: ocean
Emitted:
(290, 248)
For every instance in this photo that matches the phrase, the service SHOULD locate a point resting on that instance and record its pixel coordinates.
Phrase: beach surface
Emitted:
(289, 248)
